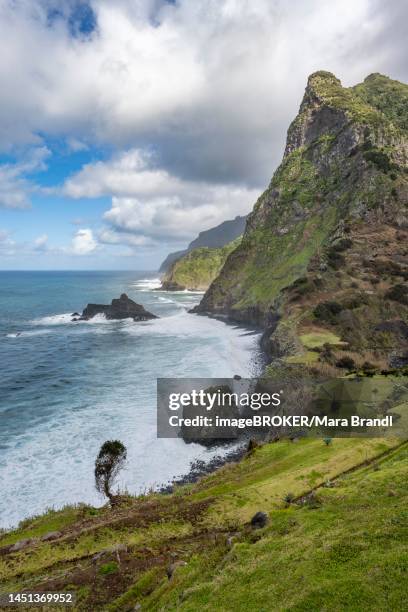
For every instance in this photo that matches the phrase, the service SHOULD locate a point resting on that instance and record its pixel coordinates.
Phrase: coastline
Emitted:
(95, 385)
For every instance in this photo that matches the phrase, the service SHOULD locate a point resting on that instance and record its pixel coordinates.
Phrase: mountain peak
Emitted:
(321, 82)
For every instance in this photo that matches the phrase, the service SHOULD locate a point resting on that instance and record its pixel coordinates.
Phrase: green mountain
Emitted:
(197, 268)
(324, 251)
(213, 238)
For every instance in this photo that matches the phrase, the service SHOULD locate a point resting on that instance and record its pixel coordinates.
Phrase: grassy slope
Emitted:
(345, 554)
(198, 268)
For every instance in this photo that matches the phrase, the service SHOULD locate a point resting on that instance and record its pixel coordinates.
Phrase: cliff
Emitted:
(324, 249)
(213, 238)
(198, 268)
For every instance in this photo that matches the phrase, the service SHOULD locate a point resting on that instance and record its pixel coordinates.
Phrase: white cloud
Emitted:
(195, 97)
(7, 245)
(127, 174)
(148, 201)
(83, 243)
(212, 84)
(112, 237)
(74, 145)
(41, 243)
(175, 219)
(15, 187)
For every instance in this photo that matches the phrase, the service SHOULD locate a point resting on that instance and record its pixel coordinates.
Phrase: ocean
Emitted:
(67, 387)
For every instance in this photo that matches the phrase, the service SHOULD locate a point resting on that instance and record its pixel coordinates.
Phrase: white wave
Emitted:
(147, 284)
(67, 318)
(57, 319)
(27, 334)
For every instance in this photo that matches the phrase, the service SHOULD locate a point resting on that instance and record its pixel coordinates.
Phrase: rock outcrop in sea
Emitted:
(122, 308)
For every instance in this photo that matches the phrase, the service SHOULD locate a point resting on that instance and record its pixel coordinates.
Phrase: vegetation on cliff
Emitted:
(213, 238)
(325, 247)
(197, 269)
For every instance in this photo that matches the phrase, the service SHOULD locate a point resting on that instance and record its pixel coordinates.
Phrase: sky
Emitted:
(128, 126)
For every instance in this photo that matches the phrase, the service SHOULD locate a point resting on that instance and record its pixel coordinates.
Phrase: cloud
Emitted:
(211, 85)
(75, 145)
(148, 201)
(83, 243)
(127, 174)
(175, 219)
(41, 243)
(7, 245)
(113, 237)
(15, 187)
(191, 100)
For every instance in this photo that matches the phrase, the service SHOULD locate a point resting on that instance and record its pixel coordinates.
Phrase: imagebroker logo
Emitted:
(204, 409)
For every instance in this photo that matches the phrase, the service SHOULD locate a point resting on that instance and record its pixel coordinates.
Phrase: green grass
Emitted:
(348, 554)
(314, 339)
(198, 268)
(51, 520)
(108, 568)
(303, 559)
(307, 357)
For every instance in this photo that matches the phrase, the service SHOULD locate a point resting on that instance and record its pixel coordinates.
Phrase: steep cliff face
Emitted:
(331, 226)
(197, 269)
(344, 165)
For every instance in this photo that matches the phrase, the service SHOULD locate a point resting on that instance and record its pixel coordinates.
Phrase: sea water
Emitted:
(67, 387)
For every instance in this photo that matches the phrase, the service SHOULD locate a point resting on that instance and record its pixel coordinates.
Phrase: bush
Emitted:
(398, 293)
(346, 362)
(335, 259)
(342, 245)
(289, 498)
(327, 441)
(327, 311)
(379, 159)
(109, 568)
(368, 368)
(355, 301)
(111, 458)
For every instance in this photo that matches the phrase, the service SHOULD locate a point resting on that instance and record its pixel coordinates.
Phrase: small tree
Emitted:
(110, 460)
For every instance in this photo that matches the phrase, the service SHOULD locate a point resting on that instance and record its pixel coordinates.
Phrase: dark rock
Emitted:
(398, 327)
(232, 539)
(171, 286)
(122, 308)
(51, 535)
(259, 520)
(75, 314)
(399, 361)
(21, 544)
(97, 556)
